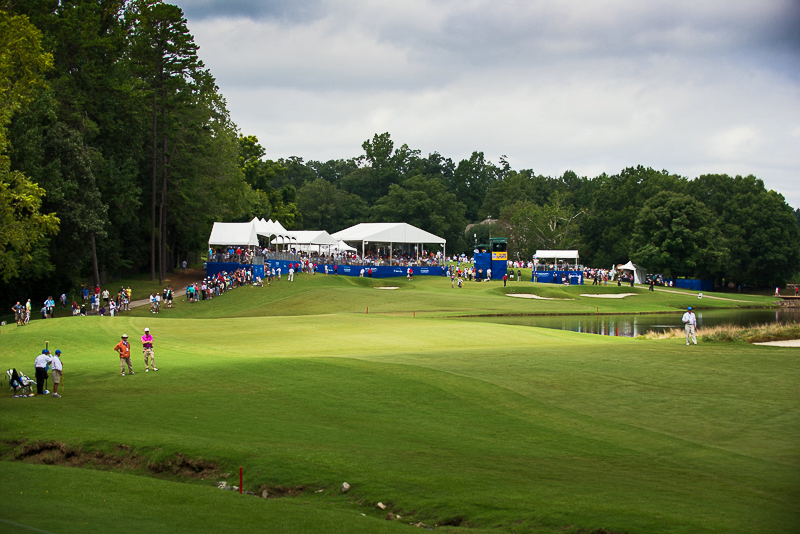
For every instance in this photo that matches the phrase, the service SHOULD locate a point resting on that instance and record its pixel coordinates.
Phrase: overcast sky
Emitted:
(591, 86)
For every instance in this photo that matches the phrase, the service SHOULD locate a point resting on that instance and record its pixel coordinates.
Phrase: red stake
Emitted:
(367, 310)
(241, 481)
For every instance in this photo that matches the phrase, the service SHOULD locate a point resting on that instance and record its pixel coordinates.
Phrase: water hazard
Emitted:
(637, 325)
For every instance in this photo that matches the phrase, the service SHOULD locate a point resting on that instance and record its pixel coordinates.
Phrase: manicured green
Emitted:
(508, 428)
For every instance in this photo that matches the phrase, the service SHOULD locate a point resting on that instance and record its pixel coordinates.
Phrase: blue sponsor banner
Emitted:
(546, 277)
(383, 271)
(214, 268)
(694, 284)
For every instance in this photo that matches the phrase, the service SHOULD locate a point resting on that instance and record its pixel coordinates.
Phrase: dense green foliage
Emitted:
(115, 138)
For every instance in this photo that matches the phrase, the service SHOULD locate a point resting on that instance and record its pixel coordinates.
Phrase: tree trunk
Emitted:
(95, 270)
(153, 203)
(163, 216)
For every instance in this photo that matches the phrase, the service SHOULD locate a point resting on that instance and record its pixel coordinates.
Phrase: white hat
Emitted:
(124, 335)
(146, 329)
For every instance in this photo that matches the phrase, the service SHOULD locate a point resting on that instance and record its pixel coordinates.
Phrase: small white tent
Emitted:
(638, 272)
(233, 234)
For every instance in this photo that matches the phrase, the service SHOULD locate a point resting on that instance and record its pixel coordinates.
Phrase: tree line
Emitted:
(117, 154)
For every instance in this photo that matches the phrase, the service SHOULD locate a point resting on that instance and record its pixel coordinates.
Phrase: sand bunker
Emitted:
(785, 343)
(609, 296)
(531, 296)
(387, 287)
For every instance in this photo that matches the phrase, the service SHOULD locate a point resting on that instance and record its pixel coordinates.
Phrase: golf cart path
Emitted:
(178, 279)
(695, 294)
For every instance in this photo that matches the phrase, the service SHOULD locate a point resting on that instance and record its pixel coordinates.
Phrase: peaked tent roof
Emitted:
(557, 254)
(388, 233)
(233, 234)
(269, 227)
(312, 237)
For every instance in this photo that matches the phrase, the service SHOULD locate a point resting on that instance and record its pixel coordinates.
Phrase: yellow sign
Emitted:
(500, 256)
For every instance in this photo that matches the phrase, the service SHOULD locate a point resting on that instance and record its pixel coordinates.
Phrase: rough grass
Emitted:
(750, 334)
(498, 428)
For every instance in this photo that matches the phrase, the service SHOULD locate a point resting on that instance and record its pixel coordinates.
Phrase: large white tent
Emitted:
(228, 234)
(387, 233)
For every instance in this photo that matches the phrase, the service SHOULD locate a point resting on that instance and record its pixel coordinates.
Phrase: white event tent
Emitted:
(387, 233)
(638, 272)
(303, 239)
(268, 228)
(239, 234)
(556, 255)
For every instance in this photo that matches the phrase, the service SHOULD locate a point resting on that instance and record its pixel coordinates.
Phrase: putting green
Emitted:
(445, 422)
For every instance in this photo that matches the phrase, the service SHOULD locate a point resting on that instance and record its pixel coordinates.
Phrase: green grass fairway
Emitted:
(496, 428)
(432, 296)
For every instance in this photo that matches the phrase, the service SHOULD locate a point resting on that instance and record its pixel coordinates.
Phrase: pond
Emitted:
(637, 325)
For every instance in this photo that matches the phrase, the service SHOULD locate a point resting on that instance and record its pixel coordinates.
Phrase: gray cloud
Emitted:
(693, 87)
(294, 11)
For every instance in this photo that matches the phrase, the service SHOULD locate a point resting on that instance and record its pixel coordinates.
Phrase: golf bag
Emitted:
(18, 383)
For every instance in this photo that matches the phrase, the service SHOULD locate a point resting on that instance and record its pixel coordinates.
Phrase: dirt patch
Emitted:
(276, 492)
(183, 466)
(454, 522)
(121, 458)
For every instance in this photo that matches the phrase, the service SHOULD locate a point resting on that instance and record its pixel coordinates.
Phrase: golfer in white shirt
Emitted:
(690, 320)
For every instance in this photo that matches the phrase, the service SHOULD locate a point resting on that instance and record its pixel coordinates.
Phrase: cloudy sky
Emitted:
(588, 85)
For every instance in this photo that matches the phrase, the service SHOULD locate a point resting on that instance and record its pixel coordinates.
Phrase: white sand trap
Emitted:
(530, 296)
(610, 296)
(785, 343)
(388, 287)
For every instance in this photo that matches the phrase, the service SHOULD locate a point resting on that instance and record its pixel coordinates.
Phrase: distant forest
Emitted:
(117, 154)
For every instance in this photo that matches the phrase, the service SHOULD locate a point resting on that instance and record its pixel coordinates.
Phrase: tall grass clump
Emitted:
(727, 333)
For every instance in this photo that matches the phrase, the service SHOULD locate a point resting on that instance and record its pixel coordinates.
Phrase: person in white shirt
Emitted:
(57, 371)
(690, 321)
(291, 274)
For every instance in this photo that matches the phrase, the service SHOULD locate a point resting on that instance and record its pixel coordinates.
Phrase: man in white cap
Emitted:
(690, 321)
(147, 349)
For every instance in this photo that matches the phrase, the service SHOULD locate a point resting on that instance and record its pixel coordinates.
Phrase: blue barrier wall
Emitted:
(212, 269)
(383, 271)
(546, 277)
(694, 284)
